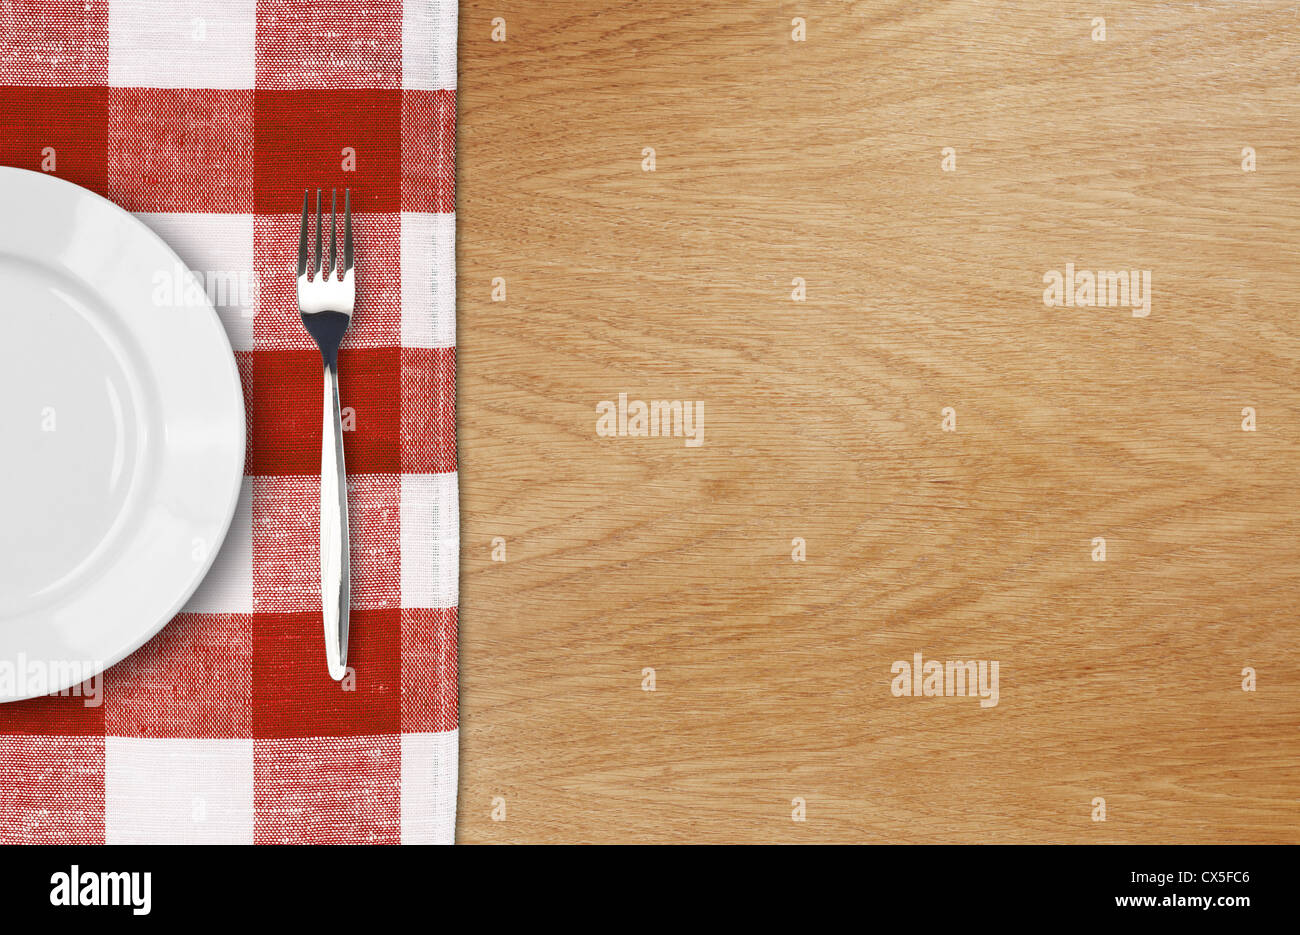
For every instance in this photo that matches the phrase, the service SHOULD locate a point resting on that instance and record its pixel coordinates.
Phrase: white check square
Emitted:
(429, 45)
(430, 539)
(428, 262)
(182, 43)
(429, 770)
(228, 586)
(218, 248)
(178, 791)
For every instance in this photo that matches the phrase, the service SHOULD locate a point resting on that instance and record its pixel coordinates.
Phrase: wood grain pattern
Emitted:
(820, 159)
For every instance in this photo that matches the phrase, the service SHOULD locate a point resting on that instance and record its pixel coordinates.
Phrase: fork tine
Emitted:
(334, 216)
(302, 237)
(320, 257)
(347, 230)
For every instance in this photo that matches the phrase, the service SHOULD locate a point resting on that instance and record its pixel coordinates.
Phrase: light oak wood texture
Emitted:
(821, 159)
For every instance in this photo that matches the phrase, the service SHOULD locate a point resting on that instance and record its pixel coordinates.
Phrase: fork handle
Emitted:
(335, 572)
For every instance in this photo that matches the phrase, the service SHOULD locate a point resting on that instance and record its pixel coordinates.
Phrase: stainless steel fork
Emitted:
(326, 302)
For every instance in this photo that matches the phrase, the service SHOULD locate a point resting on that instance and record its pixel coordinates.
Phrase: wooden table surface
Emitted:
(822, 159)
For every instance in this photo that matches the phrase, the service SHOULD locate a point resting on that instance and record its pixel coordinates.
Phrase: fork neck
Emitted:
(327, 328)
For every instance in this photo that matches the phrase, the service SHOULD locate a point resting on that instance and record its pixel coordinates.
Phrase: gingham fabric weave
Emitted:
(208, 119)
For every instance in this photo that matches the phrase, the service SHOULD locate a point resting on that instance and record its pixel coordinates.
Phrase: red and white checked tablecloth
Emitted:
(208, 119)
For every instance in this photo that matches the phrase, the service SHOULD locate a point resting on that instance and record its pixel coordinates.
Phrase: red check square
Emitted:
(429, 653)
(244, 362)
(53, 790)
(377, 317)
(56, 130)
(286, 543)
(374, 514)
(181, 149)
(293, 694)
(287, 398)
(428, 410)
(333, 790)
(429, 151)
(73, 715)
(341, 138)
(194, 679)
(54, 42)
(329, 45)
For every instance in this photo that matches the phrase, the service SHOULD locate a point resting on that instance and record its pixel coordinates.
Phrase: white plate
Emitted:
(121, 434)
